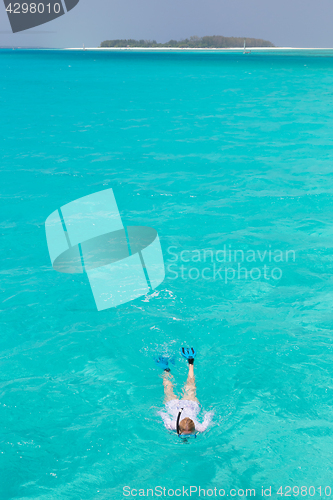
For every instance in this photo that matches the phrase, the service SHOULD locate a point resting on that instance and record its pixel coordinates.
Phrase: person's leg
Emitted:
(190, 390)
(168, 387)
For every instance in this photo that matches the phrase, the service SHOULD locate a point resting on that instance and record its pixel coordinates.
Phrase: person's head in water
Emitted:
(186, 426)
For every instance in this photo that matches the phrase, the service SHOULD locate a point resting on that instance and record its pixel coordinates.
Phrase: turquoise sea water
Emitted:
(211, 150)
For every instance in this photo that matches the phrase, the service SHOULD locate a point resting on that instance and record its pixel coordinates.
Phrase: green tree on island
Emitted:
(218, 42)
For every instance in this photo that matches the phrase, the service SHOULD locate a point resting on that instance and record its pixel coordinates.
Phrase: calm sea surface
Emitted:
(219, 152)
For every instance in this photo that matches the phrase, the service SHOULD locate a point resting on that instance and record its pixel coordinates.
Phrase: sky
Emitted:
(286, 23)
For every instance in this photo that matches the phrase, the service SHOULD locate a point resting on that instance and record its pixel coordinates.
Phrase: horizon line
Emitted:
(240, 49)
(170, 49)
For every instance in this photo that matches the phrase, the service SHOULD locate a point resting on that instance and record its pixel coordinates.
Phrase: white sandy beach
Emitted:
(187, 49)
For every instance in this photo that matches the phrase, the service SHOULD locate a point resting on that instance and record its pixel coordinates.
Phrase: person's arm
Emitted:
(168, 423)
(207, 420)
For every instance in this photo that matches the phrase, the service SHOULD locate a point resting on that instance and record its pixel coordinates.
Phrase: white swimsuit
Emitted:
(191, 410)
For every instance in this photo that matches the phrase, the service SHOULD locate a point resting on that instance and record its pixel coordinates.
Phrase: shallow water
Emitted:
(210, 150)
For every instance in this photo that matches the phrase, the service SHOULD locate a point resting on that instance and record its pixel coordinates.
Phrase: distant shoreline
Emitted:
(199, 49)
(177, 49)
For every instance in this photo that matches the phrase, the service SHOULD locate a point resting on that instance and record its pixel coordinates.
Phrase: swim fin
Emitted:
(189, 353)
(163, 362)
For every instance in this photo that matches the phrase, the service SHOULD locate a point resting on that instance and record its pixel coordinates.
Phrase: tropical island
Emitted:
(194, 42)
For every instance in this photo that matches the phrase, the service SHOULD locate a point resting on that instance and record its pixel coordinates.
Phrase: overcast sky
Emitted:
(296, 23)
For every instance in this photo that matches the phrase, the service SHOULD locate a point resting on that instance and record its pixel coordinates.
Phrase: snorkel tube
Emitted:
(178, 418)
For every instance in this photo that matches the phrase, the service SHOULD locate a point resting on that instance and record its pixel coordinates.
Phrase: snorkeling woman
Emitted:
(181, 414)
